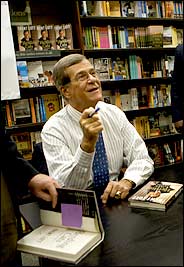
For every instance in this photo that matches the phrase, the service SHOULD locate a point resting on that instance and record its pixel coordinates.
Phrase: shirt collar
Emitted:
(74, 113)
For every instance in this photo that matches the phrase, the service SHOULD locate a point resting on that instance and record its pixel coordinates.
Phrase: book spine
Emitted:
(33, 112)
(8, 115)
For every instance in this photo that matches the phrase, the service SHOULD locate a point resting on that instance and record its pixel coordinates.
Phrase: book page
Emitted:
(58, 242)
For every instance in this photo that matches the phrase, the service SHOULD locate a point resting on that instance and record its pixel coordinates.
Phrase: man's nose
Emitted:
(91, 77)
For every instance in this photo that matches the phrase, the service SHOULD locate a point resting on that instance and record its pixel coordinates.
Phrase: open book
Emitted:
(68, 232)
(155, 195)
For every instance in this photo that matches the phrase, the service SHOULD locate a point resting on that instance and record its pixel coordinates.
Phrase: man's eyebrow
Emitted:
(82, 71)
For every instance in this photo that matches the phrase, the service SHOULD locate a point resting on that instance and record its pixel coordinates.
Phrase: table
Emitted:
(138, 237)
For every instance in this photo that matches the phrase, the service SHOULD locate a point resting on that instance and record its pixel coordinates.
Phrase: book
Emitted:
(20, 14)
(156, 153)
(27, 37)
(113, 8)
(64, 37)
(46, 37)
(70, 231)
(47, 71)
(22, 71)
(51, 103)
(155, 35)
(21, 111)
(35, 73)
(103, 68)
(155, 195)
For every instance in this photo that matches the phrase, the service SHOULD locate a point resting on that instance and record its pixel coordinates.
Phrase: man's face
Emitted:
(84, 90)
(26, 34)
(62, 34)
(44, 34)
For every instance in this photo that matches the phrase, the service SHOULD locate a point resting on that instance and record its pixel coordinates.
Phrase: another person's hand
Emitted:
(43, 186)
(122, 187)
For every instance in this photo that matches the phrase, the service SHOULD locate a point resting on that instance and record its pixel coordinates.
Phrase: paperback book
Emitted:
(64, 37)
(27, 37)
(155, 195)
(68, 232)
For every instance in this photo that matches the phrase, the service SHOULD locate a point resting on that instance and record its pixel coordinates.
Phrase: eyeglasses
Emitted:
(84, 75)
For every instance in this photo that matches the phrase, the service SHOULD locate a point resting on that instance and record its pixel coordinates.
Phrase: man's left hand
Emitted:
(122, 187)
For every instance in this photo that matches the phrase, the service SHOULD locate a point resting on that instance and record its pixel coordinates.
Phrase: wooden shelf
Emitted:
(36, 91)
(91, 20)
(28, 127)
(124, 84)
(44, 55)
(111, 52)
(164, 138)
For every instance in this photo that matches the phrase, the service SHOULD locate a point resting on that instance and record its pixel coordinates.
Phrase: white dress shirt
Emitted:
(71, 166)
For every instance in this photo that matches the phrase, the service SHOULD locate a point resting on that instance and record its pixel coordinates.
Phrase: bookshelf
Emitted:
(73, 13)
(95, 20)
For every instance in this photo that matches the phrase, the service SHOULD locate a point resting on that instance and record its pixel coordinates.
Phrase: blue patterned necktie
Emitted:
(100, 164)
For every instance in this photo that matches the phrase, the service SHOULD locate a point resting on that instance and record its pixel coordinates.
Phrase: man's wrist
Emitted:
(130, 181)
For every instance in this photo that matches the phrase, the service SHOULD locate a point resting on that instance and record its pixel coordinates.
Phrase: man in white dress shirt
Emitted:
(69, 136)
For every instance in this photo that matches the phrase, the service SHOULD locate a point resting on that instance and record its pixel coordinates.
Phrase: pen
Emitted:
(92, 113)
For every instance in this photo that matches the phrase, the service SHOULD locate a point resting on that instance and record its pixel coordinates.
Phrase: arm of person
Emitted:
(69, 155)
(43, 186)
(138, 162)
(24, 175)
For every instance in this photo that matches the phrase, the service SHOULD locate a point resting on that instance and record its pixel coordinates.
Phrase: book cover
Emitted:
(47, 71)
(51, 104)
(156, 195)
(64, 37)
(113, 8)
(20, 13)
(46, 37)
(22, 72)
(103, 68)
(27, 37)
(120, 69)
(35, 73)
(21, 111)
(70, 231)
(156, 153)
(155, 35)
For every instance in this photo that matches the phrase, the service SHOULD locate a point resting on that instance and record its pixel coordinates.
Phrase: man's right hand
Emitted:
(91, 127)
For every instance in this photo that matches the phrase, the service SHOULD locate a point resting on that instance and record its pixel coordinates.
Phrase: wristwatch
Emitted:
(132, 183)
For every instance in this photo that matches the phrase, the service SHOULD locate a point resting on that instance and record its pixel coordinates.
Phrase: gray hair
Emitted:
(60, 75)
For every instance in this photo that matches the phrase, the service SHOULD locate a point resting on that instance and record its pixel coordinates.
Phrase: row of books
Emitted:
(44, 37)
(133, 67)
(162, 154)
(35, 73)
(154, 125)
(131, 37)
(38, 73)
(166, 153)
(32, 110)
(128, 8)
(143, 97)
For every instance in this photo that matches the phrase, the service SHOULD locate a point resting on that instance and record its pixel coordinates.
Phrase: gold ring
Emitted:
(118, 195)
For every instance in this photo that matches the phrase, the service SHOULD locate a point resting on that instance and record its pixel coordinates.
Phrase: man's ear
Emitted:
(65, 91)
